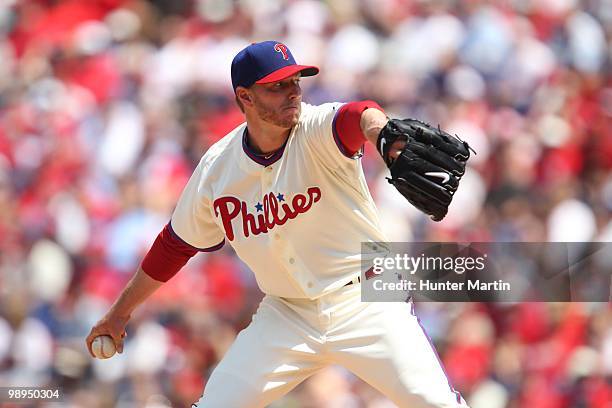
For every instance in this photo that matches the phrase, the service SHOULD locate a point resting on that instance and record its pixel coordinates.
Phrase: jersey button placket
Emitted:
(266, 179)
(292, 266)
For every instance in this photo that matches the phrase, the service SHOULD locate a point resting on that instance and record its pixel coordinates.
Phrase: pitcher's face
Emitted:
(278, 103)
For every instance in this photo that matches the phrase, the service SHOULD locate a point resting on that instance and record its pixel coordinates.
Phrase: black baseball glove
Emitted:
(429, 167)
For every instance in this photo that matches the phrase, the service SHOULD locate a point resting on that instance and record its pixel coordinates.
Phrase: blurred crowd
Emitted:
(106, 106)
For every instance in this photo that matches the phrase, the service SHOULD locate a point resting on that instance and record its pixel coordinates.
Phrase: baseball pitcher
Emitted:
(287, 191)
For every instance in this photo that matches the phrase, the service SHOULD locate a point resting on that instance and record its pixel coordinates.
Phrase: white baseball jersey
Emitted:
(297, 219)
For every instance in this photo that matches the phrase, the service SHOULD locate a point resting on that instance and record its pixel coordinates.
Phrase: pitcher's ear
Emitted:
(244, 96)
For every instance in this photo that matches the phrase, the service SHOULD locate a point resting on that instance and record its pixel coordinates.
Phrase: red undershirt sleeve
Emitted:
(167, 255)
(347, 128)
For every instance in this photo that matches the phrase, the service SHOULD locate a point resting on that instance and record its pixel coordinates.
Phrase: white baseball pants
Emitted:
(291, 339)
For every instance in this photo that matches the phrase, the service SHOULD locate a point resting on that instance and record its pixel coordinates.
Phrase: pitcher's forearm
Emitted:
(138, 289)
(372, 121)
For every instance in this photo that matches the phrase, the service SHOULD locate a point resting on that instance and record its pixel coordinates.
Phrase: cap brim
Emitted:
(286, 72)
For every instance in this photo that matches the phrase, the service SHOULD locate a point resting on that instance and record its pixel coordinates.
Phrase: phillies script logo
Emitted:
(274, 211)
(282, 48)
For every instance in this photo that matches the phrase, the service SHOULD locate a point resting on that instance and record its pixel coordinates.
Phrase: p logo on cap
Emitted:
(282, 48)
(260, 63)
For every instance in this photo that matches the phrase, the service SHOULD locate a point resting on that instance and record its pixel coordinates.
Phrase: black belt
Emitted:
(369, 274)
(351, 282)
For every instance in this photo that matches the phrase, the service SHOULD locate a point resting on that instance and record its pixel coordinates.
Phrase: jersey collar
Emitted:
(259, 159)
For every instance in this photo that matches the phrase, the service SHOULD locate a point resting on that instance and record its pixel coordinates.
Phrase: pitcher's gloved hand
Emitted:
(428, 168)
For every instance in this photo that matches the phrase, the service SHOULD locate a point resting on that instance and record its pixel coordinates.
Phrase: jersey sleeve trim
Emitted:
(346, 127)
(208, 249)
(168, 254)
(341, 146)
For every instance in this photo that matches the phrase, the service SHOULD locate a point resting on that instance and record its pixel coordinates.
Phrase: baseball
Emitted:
(103, 347)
